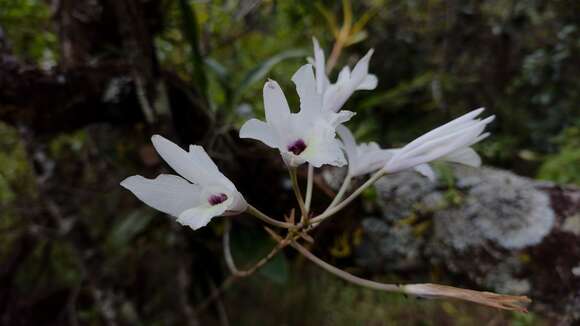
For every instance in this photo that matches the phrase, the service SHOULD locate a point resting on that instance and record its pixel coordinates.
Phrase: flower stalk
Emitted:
(316, 136)
(309, 186)
(297, 192)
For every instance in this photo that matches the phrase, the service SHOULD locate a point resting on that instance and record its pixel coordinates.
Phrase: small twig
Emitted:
(217, 292)
(222, 314)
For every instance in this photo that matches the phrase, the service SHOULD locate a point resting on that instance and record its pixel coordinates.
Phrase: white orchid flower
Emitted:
(362, 158)
(306, 136)
(335, 95)
(200, 193)
(369, 157)
(450, 142)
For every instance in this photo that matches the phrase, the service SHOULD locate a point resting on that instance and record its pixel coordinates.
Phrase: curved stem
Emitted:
(229, 258)
(257, 213)
(350, 198)
(344, 275)
(297, 192)
(341, 192)
(309, 186)
(216, 293)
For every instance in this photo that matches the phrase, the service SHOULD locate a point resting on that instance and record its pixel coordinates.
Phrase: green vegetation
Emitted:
(70, 236)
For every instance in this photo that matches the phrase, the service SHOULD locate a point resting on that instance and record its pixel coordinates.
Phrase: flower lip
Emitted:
(297, 147)
(217, 199)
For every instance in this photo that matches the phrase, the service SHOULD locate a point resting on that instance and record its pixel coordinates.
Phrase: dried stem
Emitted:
(490, 299)
(427, 290)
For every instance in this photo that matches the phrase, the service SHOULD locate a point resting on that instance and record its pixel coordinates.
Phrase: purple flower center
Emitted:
(297, 147)
(217, 199)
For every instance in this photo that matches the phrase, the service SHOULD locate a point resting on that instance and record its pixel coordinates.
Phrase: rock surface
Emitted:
(490, 227)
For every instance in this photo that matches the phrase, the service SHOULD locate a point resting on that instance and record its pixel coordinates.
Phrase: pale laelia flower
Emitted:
(362, 158)
(204, 193)
(335, 95)
(450, 142)
(306, 136)
(369, 157)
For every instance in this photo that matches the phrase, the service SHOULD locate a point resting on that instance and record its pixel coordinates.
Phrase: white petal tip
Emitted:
(129, 181)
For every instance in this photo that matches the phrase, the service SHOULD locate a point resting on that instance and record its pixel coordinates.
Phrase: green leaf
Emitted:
(190, 29)
(129, 227)
(251, 245)
(259, 72)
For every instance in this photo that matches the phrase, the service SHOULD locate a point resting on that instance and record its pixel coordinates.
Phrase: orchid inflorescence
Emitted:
(201, 192)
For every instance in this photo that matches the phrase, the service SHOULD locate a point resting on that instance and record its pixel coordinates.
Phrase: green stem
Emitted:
(309, 186)
(297, 192)
(257, 213)
(341, 192)
(350, 198)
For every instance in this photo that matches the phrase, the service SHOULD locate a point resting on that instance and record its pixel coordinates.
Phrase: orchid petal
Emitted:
(465, 156)
(259, 130)
(310, 100)
(192, 166)
(426, 170)
(276, 106)
(319, 64)
(200, 216)
(361, 69)
(323, 147)
(349, 143)
(369, 83)
(170, 194)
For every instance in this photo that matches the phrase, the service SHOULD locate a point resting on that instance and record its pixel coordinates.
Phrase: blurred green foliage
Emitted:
(27, 26)
(326, 300)
(435, 59)
(564, 166)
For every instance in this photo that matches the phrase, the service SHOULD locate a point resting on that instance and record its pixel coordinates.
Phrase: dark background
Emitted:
(85, 83)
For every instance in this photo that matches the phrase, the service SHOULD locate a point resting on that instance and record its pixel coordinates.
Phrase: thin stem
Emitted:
(309, 186)
(350, 198)
(341, 192)
(229, 258)
(297, 192)
(344, 275)
(257, 213)
(217, 292)
(425, 290)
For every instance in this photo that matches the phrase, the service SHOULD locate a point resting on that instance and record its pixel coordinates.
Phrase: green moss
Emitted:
(17, 184)
(562, 168)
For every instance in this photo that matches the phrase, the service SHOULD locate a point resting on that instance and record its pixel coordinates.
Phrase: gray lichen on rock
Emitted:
(572, 224)
(392, 248)
(500, 207)
(399, 194)
(501, 278)
(500, 231)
